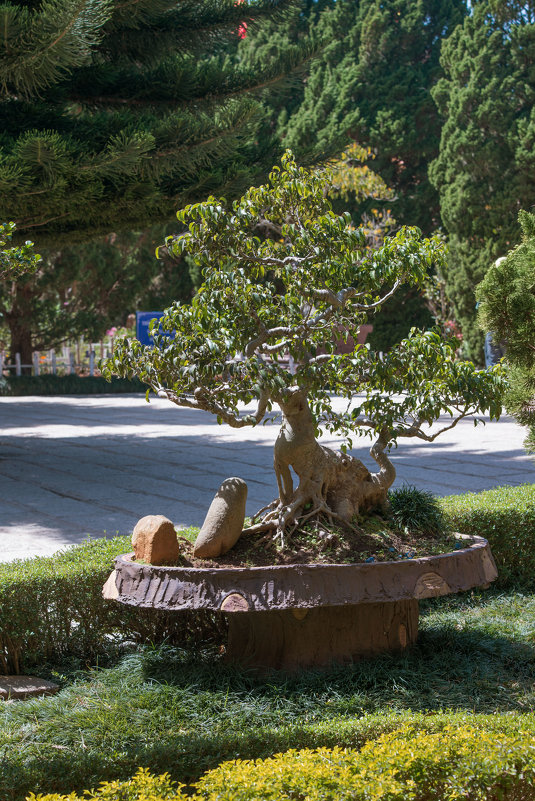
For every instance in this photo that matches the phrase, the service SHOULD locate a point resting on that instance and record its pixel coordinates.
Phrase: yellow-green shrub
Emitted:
(406, 765)
(141, 787)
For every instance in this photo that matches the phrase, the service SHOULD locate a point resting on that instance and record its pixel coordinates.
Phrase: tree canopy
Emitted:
(15, 261)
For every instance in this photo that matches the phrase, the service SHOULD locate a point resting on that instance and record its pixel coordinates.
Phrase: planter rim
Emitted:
(277, 587)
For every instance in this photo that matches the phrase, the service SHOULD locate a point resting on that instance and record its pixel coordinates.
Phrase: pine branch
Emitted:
(39, 48)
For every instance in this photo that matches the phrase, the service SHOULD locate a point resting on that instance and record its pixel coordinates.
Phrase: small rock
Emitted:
(154, 540)
(223, 524)
(109, 590)
(17, 688)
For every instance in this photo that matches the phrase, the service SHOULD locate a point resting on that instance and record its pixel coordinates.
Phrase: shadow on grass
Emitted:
(184, 713)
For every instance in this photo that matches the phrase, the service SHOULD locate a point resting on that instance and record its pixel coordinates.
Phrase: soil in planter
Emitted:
(375, 540)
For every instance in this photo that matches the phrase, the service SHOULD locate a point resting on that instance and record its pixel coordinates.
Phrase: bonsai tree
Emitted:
(285, 279)
(507, 310)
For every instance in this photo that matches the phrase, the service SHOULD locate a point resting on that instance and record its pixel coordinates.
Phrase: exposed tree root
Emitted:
(282, 521)
(333, 485)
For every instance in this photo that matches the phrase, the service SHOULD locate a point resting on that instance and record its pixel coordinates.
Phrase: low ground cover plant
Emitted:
(175, 711)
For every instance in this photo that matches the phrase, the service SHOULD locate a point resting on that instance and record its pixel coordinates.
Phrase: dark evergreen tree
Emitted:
(373, 83)
(113, 113)
(273, 42)
(485, 171)
(507, 310)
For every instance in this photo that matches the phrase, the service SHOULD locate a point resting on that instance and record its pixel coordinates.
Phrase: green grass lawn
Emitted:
(185, 712)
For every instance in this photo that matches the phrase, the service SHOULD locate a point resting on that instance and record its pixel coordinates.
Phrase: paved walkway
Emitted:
(77, 466)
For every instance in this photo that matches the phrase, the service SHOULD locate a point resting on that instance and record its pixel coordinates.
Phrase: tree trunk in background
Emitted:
(19, 322)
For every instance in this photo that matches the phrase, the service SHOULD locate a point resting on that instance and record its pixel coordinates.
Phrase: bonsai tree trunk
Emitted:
(332, 483)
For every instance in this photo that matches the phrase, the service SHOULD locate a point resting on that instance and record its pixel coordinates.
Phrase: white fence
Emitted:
(79, 359)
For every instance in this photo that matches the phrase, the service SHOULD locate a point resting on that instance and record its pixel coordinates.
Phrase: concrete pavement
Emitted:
(76, 466)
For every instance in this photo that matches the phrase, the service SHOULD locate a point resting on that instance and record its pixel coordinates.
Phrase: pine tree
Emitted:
(484, 172)
(113, 113)
(507, 309)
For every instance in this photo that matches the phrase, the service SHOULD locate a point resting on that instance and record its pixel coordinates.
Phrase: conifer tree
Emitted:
(114, 112)
(484, 172)
(372, 82)
(507, 309)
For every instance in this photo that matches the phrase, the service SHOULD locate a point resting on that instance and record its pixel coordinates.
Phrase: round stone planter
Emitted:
(293, 616)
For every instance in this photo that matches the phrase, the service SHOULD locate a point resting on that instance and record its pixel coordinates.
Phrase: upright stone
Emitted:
(154, 540)
(223, 524)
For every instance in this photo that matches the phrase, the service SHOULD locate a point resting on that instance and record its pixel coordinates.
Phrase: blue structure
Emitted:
(143, 320)
(494, 350)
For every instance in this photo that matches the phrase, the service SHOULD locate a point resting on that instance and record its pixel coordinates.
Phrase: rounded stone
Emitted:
(154, 540)
(223, 524)
(17, 688)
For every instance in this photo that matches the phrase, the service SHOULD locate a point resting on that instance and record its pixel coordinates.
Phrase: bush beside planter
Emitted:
(52, 608)
(505, 516)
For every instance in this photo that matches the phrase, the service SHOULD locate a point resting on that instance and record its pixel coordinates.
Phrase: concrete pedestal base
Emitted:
(292, 616)
(299, 638)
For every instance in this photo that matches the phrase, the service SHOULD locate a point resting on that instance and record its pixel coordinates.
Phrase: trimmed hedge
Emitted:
(53, 606)
(505, 516)
(67, 385)
(455, 762)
